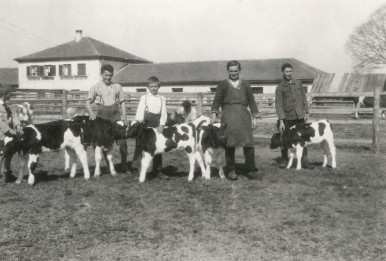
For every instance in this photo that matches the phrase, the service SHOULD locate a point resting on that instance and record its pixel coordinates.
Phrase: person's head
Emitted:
(187, 106)
(5, 92)
(153, 84)
(107, 72)
(286, 71)
(233, 68)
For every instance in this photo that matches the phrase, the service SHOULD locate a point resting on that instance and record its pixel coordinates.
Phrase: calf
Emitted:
(301, 135)
(368, 102)
(153, 142)
(211, 141)
(73, 135)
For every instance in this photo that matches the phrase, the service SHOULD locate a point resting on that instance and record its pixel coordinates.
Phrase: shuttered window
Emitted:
(257, 89)
(65, 70)
(177, 89)
(81, 69)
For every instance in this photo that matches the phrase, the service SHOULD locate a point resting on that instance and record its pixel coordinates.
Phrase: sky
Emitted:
(312, 31)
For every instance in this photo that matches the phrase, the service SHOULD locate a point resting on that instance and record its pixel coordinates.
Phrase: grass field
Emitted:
(319, 214)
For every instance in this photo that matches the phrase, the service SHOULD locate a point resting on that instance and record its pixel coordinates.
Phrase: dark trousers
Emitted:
(123, 151)
(157, 160)
(249, 155)
(288, 124)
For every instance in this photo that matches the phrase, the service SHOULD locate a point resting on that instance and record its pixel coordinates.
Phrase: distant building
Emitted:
(263, 75)
(76, 66)
(73, 65)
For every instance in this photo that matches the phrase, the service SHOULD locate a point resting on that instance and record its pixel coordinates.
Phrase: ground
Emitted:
(319, 214)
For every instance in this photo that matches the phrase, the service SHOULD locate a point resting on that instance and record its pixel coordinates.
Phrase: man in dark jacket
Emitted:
(291, 108)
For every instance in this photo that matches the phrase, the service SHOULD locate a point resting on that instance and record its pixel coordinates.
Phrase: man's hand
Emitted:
(92, 116)
(306, 117)
(214, 117)
(254, 123)
(160, 129)
(281, 126)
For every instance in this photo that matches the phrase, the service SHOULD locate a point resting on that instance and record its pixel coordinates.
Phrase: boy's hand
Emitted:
(281, 126)
(160, 129)
(92, 116)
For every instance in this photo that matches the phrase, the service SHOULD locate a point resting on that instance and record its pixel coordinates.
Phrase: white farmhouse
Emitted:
(72, 66)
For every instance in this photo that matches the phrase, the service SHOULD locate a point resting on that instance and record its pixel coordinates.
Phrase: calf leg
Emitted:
(326, 152)
(291, 158)
(145, 163)
(98, 158)
(192, 161)
(70, 158)
(110, 160)
(82, 155)
(199, 157)
(208, 164)
(299, 153)
(333, 154)
(23, 160)
(32, 163)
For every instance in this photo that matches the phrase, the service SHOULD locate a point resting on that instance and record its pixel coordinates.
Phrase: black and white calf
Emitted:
(211, 143)
(153, 142)
(73, 135)
(302, 135)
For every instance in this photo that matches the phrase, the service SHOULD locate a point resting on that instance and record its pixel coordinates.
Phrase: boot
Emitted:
(8, 177)
(284, 158)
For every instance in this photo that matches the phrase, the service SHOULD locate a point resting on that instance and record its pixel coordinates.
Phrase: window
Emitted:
(49, 70)
(33, 71)
(213, 89)
(65, 70)
(82, 69)
(257, 89)
(177, 89)
(141, 89)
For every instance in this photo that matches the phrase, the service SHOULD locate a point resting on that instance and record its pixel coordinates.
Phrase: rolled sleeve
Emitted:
(139, 115)
(164, 113)
(92, 94)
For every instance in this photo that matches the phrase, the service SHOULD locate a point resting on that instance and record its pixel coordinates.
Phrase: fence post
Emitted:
(200, 98)
(376, 120)
(64, 102)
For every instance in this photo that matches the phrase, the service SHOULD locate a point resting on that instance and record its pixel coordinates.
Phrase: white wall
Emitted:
(84, 84)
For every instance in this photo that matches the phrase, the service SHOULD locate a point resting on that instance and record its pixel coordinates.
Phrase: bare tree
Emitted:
(367, 44)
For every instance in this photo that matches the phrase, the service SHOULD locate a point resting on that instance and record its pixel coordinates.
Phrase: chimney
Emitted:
(78, 35)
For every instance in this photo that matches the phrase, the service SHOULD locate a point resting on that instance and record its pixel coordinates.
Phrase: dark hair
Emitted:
(107, 67)
(233, 63)
(5, 89)
(187, 106)
(285, 66)
(153, 79)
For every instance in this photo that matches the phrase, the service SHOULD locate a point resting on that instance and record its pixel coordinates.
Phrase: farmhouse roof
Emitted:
(85, 48)
(9, 76)
(211, 72)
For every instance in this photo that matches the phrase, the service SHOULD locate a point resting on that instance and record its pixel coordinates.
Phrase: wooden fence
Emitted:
(55, 102)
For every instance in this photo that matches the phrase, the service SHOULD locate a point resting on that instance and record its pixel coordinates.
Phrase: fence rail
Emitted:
(55, 102)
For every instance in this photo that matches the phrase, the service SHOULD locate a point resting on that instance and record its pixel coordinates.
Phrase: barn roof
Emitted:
(9, 76)
(347, 82)
(267, 70)
(85, 48)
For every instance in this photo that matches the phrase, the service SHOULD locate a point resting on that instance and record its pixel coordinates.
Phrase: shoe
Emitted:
(255, 174)
(307, 165)
(232, 175)
(161, 175)
(283, 164)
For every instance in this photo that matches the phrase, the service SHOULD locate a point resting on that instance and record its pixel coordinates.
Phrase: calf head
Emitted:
(216, 134)
(119, 130)
(275, 141)
(134, 129)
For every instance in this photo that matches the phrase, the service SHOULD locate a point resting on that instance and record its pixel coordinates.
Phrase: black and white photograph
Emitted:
(192, 130)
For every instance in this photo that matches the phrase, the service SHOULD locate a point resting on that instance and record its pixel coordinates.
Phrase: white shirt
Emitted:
(155, 104)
